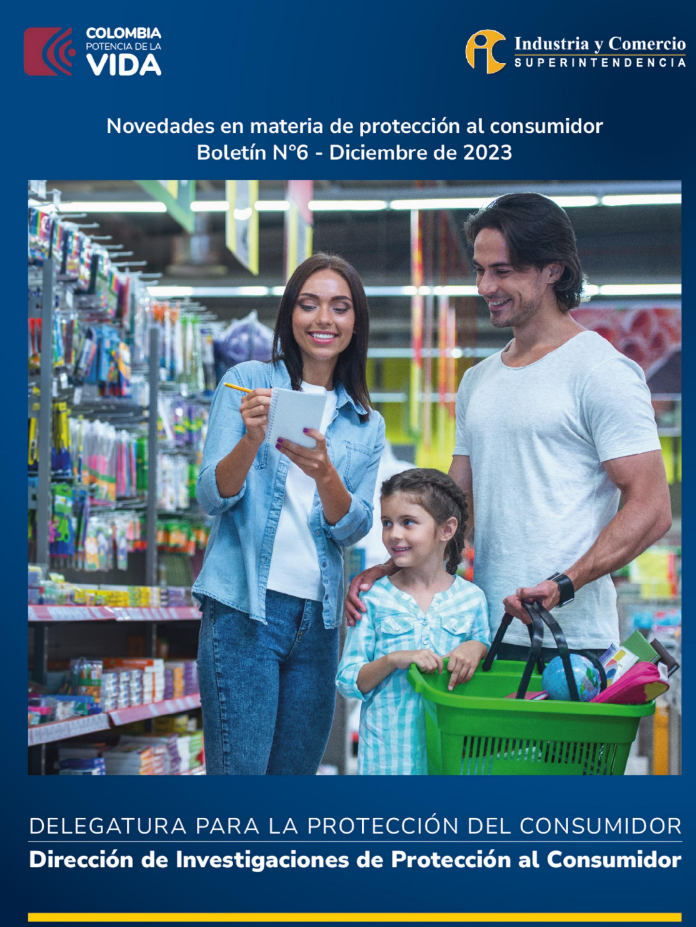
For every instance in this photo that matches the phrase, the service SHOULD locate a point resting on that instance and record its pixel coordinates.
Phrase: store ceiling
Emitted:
(631, 244)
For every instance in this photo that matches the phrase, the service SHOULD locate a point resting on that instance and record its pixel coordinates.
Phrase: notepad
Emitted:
(290, 412)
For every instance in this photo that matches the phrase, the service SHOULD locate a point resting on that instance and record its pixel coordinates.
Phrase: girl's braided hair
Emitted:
(440, 496)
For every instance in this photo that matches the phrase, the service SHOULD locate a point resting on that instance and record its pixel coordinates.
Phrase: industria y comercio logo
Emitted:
(109, 51)
(539, 52)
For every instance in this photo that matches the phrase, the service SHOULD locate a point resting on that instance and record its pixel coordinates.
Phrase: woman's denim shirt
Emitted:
(238, 556)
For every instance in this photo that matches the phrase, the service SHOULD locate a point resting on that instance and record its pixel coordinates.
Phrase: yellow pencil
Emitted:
(242, 389)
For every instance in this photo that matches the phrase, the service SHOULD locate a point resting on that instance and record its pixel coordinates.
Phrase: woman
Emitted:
(271, 586)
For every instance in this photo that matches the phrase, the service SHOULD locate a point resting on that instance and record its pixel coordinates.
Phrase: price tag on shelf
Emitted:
(59, 730)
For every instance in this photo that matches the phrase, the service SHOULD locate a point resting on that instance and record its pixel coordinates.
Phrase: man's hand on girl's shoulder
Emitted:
(354, 607)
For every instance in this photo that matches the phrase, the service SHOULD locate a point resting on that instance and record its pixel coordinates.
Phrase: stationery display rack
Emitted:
(64, 306)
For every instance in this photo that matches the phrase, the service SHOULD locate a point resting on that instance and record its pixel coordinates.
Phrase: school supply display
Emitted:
(290, 412)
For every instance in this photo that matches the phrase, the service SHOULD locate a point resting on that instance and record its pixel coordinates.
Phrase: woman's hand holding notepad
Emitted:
(290, 413)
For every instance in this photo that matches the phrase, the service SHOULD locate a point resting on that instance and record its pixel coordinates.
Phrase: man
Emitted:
(551, 433)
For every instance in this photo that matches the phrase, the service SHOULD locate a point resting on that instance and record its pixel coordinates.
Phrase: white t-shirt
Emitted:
(536, 437)
(294, 566)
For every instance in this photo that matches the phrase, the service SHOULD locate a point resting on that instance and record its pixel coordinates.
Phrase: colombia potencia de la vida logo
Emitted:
(484, 40)
(114, 51)
(48, 51)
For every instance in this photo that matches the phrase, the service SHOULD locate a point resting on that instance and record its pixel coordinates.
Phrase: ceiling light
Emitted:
(589, 290)
(210, 206)
(569, 202)
(114, 206)
(241, 215)
(170, 292)
(453, 203)
(272, 205)
(643, 199)
(641, 289)
(455, 291)
(347, 205)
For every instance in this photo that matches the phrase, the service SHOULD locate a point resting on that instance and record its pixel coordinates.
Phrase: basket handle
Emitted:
(540, 616)
(564, 651)
(535, 608)
(536, 632)
(497, 640)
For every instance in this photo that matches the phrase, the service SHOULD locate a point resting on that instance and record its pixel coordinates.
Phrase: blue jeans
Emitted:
(268, 691)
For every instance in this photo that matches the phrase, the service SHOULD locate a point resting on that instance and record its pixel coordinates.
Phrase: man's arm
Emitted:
(643, 519)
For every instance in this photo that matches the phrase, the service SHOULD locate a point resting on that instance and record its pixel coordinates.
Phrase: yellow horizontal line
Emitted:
(358, 918)
(601, 54)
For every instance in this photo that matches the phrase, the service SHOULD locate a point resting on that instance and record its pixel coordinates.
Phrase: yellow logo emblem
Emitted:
(490, 37)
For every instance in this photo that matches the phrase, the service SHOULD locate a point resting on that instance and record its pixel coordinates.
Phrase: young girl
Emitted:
(418, 615)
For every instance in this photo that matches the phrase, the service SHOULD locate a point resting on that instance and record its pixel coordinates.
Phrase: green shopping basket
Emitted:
(476, 731)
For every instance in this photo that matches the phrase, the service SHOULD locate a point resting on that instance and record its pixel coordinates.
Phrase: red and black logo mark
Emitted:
(48, 51)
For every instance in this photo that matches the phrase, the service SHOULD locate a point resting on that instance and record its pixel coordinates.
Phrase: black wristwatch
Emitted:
(565, 587)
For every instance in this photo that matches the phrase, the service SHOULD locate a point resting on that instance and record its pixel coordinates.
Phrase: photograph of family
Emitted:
(375, 478)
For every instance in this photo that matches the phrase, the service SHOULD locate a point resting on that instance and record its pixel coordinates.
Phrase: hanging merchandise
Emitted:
(208, 359)
(61, 462)
(98, 544)
(84, 265)
(100, 459)
(62, 536)
(182, 422)
(84, 358)
(73, 240)
(172, 482)
(139, 317)
(244, 339)
(40, 232)
(176, 536)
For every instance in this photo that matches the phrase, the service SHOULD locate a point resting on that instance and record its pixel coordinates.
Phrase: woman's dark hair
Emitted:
(351, 367)
(537, 233)
(440, 496)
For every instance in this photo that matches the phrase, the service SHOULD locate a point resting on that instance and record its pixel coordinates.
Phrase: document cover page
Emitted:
(423, 649)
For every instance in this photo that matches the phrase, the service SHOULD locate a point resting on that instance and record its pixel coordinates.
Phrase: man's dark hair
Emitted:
(537, 233)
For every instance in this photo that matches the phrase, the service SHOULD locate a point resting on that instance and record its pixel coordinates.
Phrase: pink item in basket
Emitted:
(640, 684)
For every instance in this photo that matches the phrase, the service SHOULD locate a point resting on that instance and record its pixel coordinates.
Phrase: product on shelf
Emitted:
(82, 767)
(181, 536)
(153, 674)
(85, 679)
(243, 339)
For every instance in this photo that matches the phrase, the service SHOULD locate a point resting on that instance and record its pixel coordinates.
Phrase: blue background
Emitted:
(357, 61)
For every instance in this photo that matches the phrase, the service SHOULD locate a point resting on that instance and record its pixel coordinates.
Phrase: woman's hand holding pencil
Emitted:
(254, 411)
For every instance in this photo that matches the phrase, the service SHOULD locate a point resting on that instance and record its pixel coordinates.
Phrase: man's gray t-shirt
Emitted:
(536, 437)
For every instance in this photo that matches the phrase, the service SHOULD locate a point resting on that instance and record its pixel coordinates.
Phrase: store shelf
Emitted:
(196, 771)
(154, 709)
(75, 727)
(106, 613)
(61, 730)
